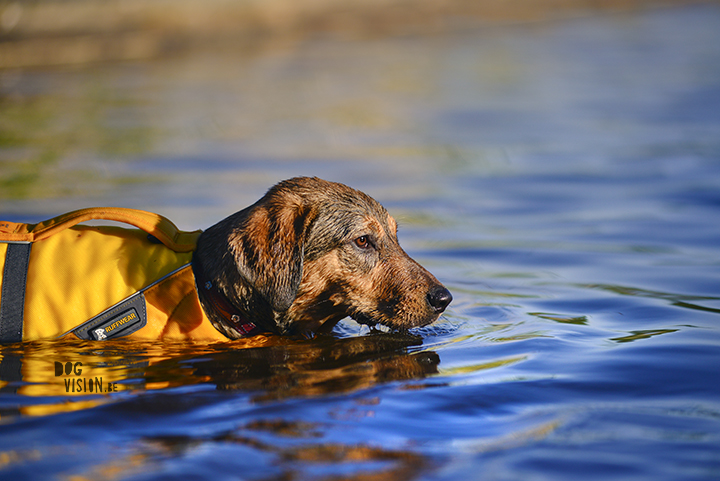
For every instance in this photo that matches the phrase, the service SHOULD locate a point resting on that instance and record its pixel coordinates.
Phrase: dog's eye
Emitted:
(362, 242)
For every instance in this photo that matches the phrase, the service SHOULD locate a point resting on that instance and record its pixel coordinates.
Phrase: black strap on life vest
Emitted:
(12, 296)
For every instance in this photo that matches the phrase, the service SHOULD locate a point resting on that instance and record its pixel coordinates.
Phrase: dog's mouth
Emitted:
(366, 320)
(406, 313)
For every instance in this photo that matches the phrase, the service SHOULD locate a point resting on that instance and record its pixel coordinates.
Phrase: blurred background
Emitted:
(129, 100)
(62, 32)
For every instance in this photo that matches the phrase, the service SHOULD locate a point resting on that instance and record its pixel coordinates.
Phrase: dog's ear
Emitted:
(269, 250)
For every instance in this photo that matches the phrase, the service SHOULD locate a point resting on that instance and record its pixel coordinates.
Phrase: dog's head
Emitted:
(312, 252)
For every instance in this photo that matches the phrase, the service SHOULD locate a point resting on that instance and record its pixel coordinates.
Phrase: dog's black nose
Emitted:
(439, 298)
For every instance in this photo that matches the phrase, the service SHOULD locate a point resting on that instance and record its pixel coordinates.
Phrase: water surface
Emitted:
(562, 179)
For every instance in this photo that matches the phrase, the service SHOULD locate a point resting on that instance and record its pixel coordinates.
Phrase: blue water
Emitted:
(562, 179)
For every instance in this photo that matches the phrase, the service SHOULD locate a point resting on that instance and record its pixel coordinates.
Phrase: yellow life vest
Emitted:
(100, 282)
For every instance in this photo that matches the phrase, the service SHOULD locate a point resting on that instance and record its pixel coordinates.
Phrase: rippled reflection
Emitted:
(679, 300)
(85, 375)
(264, 368)
(313, 460)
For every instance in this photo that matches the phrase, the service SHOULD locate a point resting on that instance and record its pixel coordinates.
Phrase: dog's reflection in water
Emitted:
(312, 368)
(322, 366)
(267, 367)
(277, 368)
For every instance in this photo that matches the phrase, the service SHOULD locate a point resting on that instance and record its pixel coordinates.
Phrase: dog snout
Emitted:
(439, 298)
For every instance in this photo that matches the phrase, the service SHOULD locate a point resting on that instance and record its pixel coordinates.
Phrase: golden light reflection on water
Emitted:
(81, 375)
(267, 368)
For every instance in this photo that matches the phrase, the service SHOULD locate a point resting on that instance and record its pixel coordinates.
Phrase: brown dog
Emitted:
(310, 253)
(306, 255)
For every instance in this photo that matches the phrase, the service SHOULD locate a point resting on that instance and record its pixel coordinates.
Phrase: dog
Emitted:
(309, 253)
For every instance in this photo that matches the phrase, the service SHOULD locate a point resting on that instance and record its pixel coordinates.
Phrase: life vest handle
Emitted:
(154, 224)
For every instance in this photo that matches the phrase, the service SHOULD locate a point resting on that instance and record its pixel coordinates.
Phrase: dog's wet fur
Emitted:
(310, 253)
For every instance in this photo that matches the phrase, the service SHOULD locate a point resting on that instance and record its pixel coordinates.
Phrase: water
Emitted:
(562, 179)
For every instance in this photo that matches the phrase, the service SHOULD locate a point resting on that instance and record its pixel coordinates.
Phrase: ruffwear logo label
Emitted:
(76, 383)
(119, 321)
